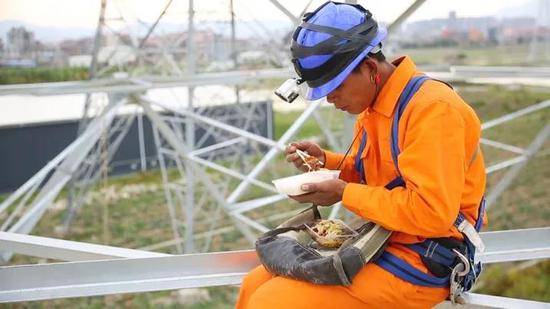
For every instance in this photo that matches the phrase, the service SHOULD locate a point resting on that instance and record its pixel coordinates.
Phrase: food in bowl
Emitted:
(330, 233)
(312, 163)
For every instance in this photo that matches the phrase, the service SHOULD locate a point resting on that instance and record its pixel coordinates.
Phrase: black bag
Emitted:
(289, 251)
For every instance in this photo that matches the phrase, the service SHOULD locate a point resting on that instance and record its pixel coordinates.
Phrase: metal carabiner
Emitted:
(455, 286)
(464, 261)
(460, 270)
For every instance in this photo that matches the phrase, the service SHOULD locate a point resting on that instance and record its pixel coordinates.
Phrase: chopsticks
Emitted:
(305, 156)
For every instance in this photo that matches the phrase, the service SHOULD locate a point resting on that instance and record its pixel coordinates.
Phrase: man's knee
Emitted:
(255, 278)
(251, 282)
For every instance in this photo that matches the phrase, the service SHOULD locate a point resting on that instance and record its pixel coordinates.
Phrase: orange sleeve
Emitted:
(348, 172)
(347, 168)
(432, 163)
(333, 160)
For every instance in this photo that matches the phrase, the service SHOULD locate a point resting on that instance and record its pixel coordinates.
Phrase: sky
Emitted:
(84, 13)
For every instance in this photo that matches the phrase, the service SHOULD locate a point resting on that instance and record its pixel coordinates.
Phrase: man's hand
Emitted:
(324, 193)
(311, 148)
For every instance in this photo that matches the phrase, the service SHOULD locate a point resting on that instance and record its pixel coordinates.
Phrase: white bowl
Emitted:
(293, 185)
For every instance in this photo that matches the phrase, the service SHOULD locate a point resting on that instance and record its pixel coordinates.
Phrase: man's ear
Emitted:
(369, 67)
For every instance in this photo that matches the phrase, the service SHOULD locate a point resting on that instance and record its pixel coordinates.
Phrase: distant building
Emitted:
(20, 41)
(253, 58)
(82, 46)
(116, 55)
(517, 30)
(467, 30)
(18, 63)
(80, 61)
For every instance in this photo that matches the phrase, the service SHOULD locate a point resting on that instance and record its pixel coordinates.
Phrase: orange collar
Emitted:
(390, 92)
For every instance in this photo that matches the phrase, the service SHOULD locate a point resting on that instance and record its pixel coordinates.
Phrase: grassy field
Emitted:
(41, 75)
(138, 216)
(512, 55)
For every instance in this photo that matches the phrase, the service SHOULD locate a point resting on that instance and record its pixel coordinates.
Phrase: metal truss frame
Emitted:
(56, 174)
(95, 164)
(234, 207)
(128, 270)
(229, 204)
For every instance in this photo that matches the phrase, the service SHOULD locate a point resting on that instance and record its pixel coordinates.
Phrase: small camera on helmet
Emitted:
(289, 90)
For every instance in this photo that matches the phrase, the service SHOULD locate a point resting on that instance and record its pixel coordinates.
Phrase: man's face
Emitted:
(355, 94)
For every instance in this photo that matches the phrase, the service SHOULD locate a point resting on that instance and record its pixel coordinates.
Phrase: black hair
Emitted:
(378, 56)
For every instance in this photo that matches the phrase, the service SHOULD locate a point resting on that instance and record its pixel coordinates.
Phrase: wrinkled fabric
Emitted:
(444, 172)
(373, 287)
(438, 137)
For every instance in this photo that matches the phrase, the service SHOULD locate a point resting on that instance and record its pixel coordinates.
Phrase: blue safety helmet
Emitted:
(330, 42)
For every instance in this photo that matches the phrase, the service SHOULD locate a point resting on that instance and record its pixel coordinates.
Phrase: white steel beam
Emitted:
(504, 164)
(290, 132)
(216, 123)
(203, 79)
(256, 203)
(502, 146)
(183, 151)
(246, 220)
(63, 172)
(408, 12)
(510, 175)
(295, 20)
(477, 301)
(40, 175)
(65, 250)
(153, 27)
(227, 143)
(143, 83)
(532, 108)
(516, 245)
(243, 134)
(500, 71)
(217, 231)
(231, 172)
(89, 278)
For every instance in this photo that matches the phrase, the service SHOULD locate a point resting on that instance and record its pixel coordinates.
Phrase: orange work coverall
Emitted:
(444, 172)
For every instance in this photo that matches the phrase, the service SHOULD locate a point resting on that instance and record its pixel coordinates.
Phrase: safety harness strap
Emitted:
(435, 252)
(480, 212)
(429, 249)
(359, 167)
(412, 87)
(409, 273)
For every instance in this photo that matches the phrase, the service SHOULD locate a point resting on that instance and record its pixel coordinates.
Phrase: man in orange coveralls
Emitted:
(439, 161)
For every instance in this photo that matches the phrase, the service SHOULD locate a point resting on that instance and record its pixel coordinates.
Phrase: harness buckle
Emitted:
(457, 278)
